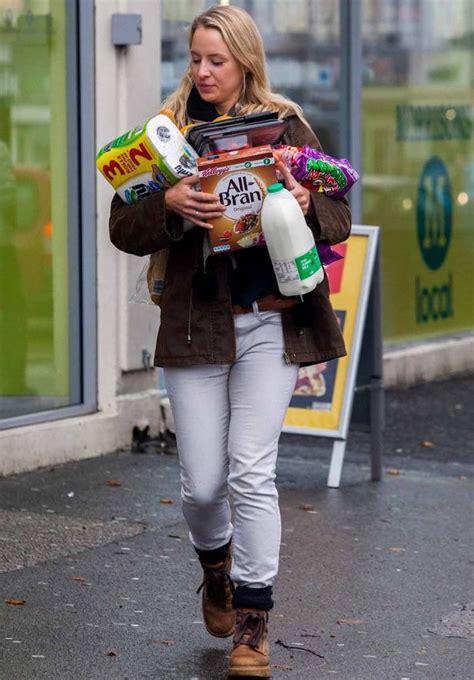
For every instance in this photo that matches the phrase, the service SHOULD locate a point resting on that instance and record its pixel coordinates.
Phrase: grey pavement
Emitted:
(375, 579)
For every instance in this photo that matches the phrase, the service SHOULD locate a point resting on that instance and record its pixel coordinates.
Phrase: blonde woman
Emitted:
(229, 343)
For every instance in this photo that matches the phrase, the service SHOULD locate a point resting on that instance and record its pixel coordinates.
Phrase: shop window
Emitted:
(418, 170)
(39, 362)
(302, 44)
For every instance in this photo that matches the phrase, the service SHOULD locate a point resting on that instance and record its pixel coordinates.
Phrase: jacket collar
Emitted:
(199, 110)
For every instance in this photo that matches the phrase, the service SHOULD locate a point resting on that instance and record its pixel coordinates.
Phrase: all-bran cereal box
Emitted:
(240, 180)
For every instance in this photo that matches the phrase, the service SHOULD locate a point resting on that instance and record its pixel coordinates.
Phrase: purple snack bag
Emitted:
(317, 171)
(327, 255)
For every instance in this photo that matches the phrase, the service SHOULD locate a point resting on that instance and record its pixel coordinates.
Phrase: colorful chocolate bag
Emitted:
(316, 170)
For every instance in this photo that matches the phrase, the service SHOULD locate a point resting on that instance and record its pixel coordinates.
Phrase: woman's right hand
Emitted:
(196, 206)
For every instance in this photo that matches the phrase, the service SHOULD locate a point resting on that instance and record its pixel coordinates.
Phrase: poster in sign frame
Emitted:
(322, 402)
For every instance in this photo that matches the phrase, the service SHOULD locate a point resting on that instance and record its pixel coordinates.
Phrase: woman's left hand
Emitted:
(300, 193)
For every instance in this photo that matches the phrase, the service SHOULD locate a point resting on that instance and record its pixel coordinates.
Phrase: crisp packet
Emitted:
(317, 171)
(327, 255)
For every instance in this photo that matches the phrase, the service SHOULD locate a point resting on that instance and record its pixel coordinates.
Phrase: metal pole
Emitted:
(350, 93)
(377, 399)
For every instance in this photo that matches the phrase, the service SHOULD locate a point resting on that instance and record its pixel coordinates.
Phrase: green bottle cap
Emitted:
(275, 187)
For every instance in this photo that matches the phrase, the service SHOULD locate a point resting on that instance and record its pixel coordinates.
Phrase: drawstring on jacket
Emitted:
(190, 311)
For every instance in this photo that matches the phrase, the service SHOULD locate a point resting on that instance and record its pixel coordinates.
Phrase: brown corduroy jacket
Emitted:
(195, 331)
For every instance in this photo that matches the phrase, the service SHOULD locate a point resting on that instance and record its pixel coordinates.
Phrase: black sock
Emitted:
(213, 556)
(253, 598)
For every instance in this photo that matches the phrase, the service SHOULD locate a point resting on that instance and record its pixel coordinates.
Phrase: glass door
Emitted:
(40, 296)
(302, 44)
(176, 19)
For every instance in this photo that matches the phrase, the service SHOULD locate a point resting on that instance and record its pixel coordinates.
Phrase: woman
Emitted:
(231, 345)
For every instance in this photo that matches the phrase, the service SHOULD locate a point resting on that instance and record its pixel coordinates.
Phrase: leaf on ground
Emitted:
(350, 622)
(113, 482)
(396, 549)
(111, 653)
(167, 643)
(174, 536)
(427, 444)
(393, 471)
(166, 501)
(79, 579)
(306, 507)
(13, 601)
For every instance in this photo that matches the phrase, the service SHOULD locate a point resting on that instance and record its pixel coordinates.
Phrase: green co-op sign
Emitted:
(434, 219)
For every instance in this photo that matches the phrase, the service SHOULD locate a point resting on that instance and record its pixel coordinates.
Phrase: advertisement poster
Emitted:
(323, 395)
(418, 185)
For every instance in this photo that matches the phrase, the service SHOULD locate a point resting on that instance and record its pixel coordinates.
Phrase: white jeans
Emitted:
(228, 420)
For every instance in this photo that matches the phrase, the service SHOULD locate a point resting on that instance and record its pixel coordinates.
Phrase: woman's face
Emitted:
(216, 73)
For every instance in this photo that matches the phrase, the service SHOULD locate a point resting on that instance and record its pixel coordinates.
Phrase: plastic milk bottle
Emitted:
(290, 243)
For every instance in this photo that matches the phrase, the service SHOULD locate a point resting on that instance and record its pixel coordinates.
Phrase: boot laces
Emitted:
(250, 630)
(215, 581)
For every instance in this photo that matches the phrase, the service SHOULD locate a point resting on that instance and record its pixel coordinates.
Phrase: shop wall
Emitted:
(127, 93)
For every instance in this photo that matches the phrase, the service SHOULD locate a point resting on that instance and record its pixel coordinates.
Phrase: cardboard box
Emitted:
(240, 180)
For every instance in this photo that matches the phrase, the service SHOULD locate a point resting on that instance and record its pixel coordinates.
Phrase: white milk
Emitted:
(290, 243)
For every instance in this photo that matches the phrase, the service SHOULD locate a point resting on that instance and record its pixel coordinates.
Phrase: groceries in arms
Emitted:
(156, 155)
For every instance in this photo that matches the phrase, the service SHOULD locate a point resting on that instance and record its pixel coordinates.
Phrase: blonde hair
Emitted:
(245, 43)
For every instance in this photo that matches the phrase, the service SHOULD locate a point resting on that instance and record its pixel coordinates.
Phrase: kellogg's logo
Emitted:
(209, 172)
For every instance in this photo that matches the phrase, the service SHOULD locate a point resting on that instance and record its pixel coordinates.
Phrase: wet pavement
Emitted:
(375, 579)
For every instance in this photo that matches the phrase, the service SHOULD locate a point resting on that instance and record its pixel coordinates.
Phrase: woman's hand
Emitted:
(300, 193)
(196, 206)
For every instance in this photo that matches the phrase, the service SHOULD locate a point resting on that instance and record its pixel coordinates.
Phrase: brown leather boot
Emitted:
(217, 590)
(250, 655)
